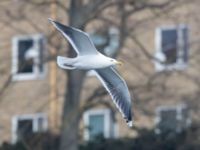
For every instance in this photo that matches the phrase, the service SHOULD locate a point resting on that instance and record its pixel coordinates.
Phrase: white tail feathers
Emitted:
(65, 63)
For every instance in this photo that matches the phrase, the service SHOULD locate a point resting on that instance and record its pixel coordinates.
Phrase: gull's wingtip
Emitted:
(51, 20)
(130, 123)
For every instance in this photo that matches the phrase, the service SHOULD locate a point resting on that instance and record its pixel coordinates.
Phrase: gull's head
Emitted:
(116, 62)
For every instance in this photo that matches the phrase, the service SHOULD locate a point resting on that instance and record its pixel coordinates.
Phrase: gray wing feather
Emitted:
(79, 40)
(118, 90)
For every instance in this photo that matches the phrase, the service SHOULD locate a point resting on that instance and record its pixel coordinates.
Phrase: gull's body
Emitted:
(95, 62)
(89, 58)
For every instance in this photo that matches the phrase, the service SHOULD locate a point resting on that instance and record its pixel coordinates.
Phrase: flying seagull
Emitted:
(90, 59)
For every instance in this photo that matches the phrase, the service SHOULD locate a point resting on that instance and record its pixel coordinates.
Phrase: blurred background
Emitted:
(43, 107)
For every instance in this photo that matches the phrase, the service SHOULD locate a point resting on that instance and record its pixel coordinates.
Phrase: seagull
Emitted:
(88, 58)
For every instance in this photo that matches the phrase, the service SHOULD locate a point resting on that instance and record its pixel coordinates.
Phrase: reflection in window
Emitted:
(99, 124)
(24, 129)
(96, 126)
(23, 126)
(28, 57)
(25, 63)
(172, 119)
(171, 48)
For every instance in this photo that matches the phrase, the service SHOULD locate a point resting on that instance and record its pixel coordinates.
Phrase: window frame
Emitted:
(108, 123)
(181, 64)
(36, 74)
(179, 116)
(33, 117)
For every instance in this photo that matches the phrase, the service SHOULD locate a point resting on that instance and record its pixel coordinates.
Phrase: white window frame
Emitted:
(180, 64)
(36, 74)
(34, 118)
(179, 115)
(109, 125)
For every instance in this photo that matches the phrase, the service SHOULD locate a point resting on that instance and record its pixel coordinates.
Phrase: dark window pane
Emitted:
(40, 124)
(41, 55)
(185, 44)
(96, 126)
(168, 120)
(24, 66)
(169, 45)
(24, 129)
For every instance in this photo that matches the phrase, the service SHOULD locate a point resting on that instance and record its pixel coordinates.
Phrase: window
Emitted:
(99, 123)
(24, 126)
(96, 125)
(174, 119)
(171, 48)
(28, 57)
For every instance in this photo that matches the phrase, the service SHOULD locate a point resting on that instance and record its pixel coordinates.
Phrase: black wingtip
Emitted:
(51, 20)
(57, 24)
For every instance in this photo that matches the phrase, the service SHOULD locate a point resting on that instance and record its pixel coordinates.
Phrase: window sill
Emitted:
(177, 66)
(28, 76)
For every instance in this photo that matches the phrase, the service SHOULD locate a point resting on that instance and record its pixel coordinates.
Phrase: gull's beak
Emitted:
(119, 63)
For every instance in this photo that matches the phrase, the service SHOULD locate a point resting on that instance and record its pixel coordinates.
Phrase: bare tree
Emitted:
(80, 15)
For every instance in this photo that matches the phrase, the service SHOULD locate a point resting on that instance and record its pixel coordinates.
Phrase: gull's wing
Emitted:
(79, 40)
(118, 90)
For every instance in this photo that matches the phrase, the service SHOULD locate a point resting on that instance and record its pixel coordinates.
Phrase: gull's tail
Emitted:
(130, 123)
(65, 63)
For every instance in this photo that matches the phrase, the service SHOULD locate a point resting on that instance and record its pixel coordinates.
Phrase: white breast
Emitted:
(92, 62)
